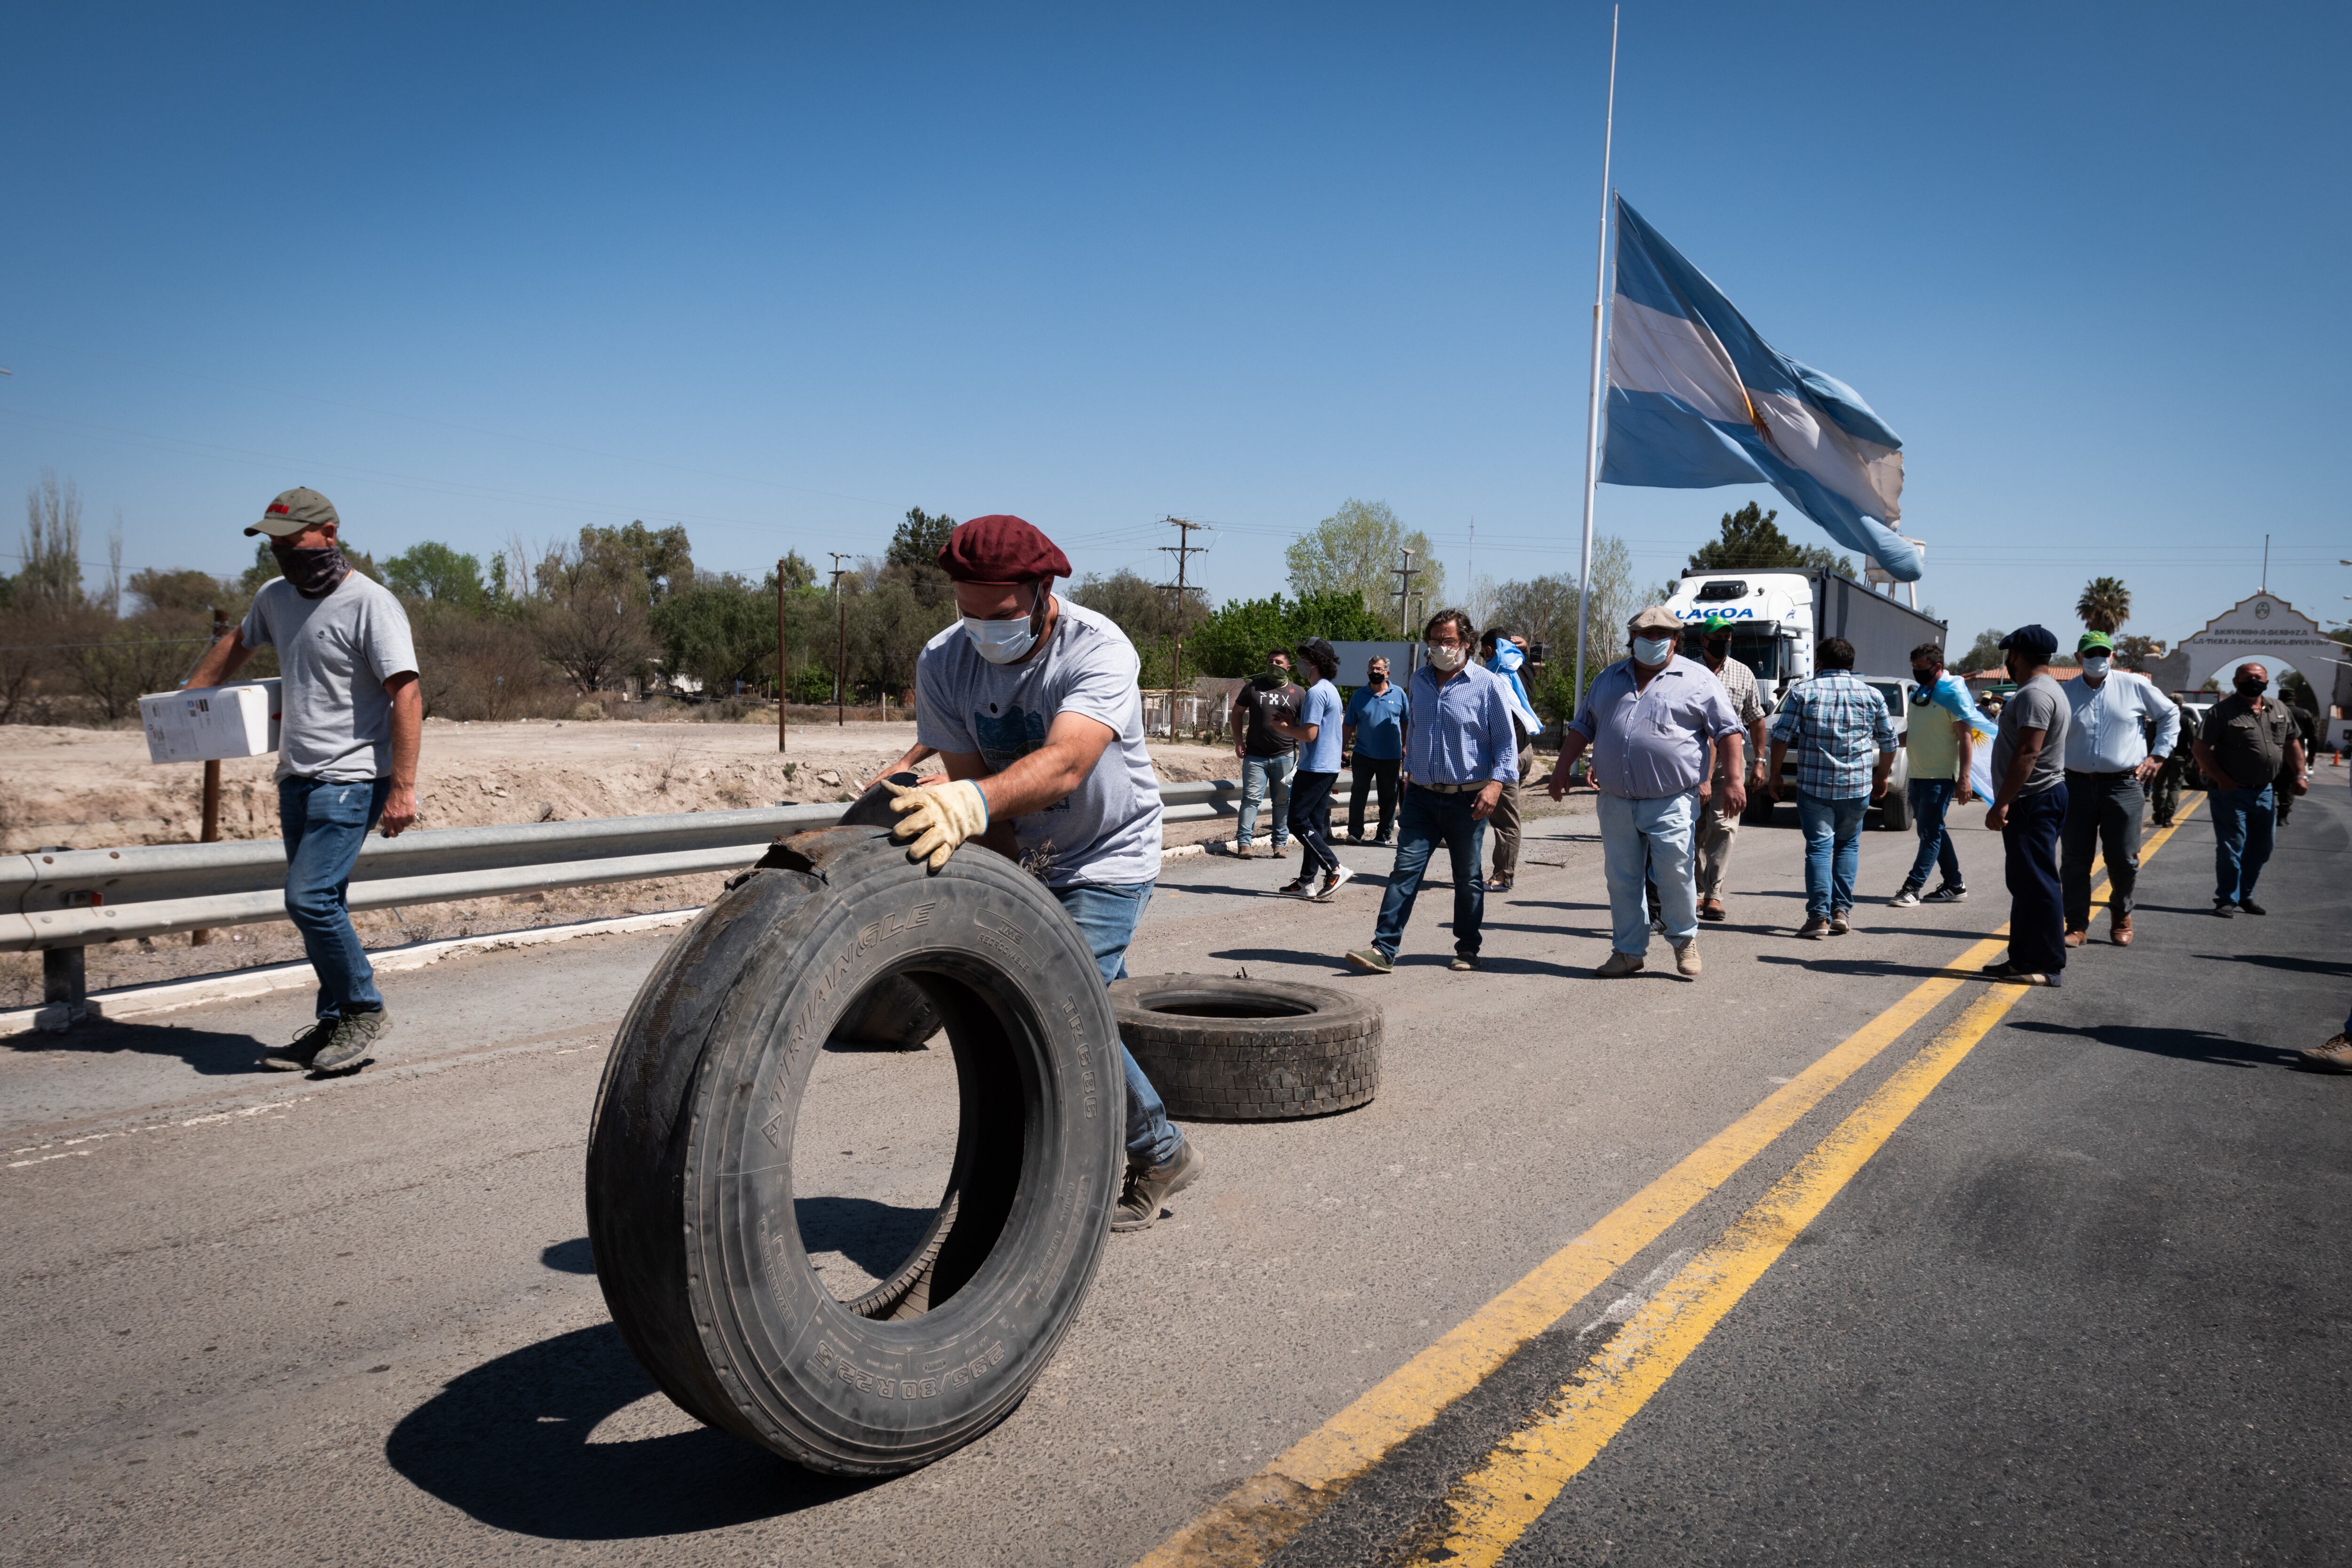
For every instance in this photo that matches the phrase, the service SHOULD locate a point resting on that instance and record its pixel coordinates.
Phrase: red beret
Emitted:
(1000, 549)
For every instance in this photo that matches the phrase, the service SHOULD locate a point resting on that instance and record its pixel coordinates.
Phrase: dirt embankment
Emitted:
(95, 788)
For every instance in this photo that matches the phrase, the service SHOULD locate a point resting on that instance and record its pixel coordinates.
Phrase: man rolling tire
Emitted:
(1034, 708)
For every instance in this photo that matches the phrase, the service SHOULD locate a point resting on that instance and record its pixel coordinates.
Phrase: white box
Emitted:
(204, 724)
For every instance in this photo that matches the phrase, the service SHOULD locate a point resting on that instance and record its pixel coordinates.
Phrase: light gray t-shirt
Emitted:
(1105, 831)
(2039, 704)
(335, 655)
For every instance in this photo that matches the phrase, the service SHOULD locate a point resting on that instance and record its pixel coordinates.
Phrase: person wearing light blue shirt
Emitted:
(1460, 754)
(2109, 760)
(1318, 734)
(1375, 727)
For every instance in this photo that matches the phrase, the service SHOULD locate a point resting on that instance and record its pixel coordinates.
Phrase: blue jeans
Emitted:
(2037, 904)
(1833, 850)
(2244, 823)
(1930, 799)
(325, 824)
(1106, 916)
(1649, 840)
(1428, 819)
(1262, 776)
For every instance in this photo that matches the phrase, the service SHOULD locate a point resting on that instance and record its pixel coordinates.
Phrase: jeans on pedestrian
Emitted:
(2103, 813)
(1649, 840)
(1833, 850)
(1930, 800)
(2243, 830)
(1429, 819)
(1107, 915)
(1261, 777)
(2037, 916)
(1310, 822)
(1363, 773)
(325, 824)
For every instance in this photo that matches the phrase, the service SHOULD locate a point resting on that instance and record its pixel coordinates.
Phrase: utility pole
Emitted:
(1404, 575)
(782, 696)
(210, 832)
(1184, 550)
(840, 643)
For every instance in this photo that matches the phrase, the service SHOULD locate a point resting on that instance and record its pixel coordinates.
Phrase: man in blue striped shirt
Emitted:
(1836, 721)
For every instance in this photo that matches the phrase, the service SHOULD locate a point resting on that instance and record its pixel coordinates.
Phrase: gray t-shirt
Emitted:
(2039, 704)
(1105, 831)
(335, 655)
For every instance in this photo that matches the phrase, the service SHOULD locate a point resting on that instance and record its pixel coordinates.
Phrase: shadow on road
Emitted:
(876, 1237)
(2181, 1045)
(572, 1257)
(1331, 961)
(1865, 966)
(508, 1444)
(215, 1053)
(2280, 960)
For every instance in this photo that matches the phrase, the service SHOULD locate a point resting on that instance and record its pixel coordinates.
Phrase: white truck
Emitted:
(1780, 615)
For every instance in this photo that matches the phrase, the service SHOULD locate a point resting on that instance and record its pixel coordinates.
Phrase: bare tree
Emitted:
(593, 621)
(51, 578)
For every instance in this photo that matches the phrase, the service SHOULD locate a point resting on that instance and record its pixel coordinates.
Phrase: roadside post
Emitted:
(210, 832)
(782, 695)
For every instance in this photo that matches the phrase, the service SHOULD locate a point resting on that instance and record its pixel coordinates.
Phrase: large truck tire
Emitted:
(1250, 1050)
(1895, 811)
(690, 1202)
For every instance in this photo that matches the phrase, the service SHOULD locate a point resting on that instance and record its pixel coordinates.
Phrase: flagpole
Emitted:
(1592, 420)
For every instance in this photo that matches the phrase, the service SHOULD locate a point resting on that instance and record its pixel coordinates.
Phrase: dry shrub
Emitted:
(484, 669)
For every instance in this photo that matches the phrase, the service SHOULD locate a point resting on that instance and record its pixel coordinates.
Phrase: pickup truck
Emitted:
(1893, 812)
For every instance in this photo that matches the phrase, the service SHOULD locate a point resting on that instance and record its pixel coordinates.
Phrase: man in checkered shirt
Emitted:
(1835, 720)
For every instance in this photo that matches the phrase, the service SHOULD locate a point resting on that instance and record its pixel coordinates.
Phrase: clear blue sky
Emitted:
(479, 272)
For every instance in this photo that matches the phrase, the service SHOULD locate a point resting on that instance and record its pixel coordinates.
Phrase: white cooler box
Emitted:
(205, 724)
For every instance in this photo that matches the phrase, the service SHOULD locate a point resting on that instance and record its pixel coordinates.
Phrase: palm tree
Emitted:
(2106, 603)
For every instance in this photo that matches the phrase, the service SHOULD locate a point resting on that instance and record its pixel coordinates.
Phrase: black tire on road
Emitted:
(1895, 811)
(690, 1203)
(1250, 1050)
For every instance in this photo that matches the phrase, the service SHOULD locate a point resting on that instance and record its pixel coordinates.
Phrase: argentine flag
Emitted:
(1698, 399)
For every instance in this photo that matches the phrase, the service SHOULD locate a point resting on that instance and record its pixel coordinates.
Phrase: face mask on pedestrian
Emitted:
(1447, 657)
(316, 571)
(2252, 688)
(1002, 642)
(2094, 664)
(1653, 650)
(1718, 649)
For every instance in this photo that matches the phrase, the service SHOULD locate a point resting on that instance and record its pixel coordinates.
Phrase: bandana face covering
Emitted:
(315, 572)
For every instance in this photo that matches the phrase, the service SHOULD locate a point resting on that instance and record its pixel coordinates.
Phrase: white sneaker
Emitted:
(1333, 882)
(1907, 898)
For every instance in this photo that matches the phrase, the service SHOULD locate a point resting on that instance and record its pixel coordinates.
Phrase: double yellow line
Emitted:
(1491, 1506)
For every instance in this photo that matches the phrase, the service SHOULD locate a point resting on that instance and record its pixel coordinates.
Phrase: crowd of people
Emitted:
(1033, 707)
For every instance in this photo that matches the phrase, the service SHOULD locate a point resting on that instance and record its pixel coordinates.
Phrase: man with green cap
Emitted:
(352, 719)
(2109, 760)
(1718, 827)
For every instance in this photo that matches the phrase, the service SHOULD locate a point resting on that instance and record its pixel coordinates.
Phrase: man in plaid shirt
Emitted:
(1835, 720)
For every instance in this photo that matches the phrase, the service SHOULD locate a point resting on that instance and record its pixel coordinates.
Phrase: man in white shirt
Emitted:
(2109, 760)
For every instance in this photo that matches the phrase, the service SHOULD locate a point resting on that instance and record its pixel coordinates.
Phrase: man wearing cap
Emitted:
(2029, 809)
(1034, 706)
(2109, 760)
(1658, 725)
(1716, 827)
(2248, 749)
(351, 716)
(1458, 759)
(1839, 724)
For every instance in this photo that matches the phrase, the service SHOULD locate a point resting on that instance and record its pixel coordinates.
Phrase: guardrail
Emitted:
(56, 900)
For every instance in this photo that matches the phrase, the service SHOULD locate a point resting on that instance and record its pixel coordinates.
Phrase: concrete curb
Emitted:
(169, 996)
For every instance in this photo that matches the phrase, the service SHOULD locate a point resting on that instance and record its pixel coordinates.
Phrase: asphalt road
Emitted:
(2083, 1305)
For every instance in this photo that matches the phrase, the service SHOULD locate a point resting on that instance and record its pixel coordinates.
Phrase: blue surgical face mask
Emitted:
(1653, 650)
(1002, 642)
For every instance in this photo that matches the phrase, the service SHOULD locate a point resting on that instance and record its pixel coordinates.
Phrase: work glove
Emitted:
(938, 819)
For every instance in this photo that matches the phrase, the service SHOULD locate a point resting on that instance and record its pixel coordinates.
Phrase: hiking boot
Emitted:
(1814, 929)
(2076, 938)
(1686, 960)
(1618, 965)
(1839, 923)
(2335, 1056)
(2252, 908)
(1371, 960)
(1711, 909)
(1332, 882)
(1463, 961)
(2119, 930)
(1150, 1187)
(1908, 898)
(297, 1057)
(1946, 893)
(349, 1040)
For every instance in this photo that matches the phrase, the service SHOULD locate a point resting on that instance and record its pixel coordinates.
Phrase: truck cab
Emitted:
(1771, 616)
